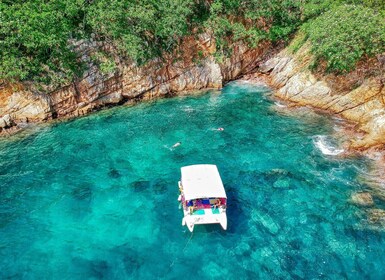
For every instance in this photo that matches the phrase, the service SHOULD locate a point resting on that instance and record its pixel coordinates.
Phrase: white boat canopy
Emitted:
(202, 181)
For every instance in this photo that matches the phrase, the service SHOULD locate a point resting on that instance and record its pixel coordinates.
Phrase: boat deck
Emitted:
(206, 216)
(210, 211)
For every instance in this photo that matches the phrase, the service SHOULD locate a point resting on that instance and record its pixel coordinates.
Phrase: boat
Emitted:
(202, 196)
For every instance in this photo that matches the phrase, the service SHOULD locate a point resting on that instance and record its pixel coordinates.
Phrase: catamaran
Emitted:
(202, 195)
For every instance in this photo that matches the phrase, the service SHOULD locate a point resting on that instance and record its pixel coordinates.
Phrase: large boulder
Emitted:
(27, 106)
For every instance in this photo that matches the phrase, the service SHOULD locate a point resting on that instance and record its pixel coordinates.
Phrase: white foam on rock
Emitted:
(325, 146)
(280, 105)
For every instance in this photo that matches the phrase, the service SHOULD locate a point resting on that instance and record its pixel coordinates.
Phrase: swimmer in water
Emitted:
(176, 144)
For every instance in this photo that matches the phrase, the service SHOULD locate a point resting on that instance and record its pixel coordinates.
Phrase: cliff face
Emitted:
(363, 104)
(192, 67)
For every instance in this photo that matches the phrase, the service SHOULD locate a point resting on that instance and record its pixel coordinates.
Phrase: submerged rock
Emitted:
(242, 249)
(266, 221)
(214, 270)
(159, 186)
(113, 173)
(281, 184)
(139, 186)
(362, 198)
(376, 216)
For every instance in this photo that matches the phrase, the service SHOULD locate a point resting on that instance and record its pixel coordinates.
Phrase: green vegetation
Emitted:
(252, 21)
(345, 34)
(37, 36)
(34, 40)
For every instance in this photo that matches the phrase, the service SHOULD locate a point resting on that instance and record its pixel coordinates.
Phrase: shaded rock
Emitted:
(363, 198)
(5, 121)
(269, 65)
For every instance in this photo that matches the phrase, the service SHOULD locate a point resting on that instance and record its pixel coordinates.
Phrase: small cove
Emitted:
(96, 197)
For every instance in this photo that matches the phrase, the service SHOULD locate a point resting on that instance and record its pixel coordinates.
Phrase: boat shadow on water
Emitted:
(235, 212)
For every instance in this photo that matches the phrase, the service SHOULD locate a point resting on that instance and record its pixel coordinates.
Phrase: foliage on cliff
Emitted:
(252, 21)
(33, 39)
(37, 36)
(344, 35)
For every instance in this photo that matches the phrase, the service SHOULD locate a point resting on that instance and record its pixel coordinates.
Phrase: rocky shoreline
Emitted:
(191, 68)
(363, 104)
(362, 108)
(195, 68)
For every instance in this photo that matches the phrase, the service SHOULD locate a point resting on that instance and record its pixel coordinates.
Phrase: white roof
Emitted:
(202, 181)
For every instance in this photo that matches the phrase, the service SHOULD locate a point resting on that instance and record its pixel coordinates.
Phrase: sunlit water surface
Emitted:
(96, 197)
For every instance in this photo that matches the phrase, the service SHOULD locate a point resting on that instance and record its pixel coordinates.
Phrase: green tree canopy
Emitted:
(36, 36)
(345, 34)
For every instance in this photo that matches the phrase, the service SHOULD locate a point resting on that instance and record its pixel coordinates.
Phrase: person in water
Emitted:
(176, 144)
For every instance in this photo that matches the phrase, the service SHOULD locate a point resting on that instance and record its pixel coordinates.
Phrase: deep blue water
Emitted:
(96, 197)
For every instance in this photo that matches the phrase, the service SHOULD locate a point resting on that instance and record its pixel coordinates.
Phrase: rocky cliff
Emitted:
(357, 97)
(191, 67)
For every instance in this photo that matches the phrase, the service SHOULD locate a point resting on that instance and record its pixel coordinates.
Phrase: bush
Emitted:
(344, 35)
(35, 35)
(34, 40)
(252, 21)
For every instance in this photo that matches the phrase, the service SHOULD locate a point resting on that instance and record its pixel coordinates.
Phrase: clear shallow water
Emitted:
(96, 197)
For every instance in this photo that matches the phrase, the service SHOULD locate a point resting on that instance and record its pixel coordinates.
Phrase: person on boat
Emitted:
(181, 192)
(217, 203)
(220, 129)
(192, 208)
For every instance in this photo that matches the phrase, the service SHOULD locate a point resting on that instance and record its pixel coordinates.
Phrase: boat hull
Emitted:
(207, 218)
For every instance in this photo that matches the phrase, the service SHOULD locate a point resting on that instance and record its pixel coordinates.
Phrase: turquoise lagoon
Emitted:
(96, 197)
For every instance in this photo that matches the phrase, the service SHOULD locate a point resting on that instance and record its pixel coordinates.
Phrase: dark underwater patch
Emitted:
(159, 186)
(113, 173)
(140, 186)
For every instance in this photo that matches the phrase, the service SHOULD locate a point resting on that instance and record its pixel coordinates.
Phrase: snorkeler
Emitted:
(176, 144)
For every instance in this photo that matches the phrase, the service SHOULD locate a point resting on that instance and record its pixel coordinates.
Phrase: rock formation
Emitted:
(362, 198)
(191, 67)
(364, 105)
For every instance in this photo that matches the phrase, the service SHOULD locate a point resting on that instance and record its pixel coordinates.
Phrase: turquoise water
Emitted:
(96, 197)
